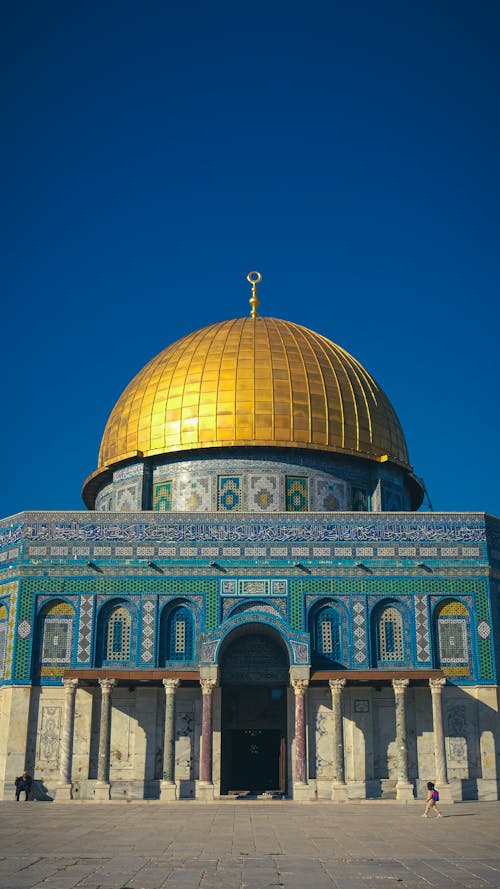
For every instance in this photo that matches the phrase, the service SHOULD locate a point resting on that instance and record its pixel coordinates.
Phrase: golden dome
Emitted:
(253, 382)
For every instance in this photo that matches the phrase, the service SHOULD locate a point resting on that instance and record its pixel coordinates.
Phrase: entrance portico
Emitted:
(258, 726)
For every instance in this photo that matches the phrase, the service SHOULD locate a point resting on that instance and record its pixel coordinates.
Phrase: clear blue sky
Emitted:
(153, 153)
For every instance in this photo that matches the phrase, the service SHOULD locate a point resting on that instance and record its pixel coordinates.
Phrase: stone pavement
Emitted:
(247, 845)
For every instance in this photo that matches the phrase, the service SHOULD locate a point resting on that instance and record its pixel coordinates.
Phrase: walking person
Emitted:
(23, 785)
(431, 800)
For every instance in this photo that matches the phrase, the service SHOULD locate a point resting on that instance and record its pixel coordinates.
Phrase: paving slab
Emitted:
(248, 845)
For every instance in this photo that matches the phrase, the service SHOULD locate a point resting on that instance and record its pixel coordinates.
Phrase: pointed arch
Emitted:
(451, 636)
(54, 638)
(328, 631)
(177, 632)
(389, 634)
(116, 634)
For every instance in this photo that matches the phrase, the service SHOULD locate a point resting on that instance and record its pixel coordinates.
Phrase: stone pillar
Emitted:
(441, 771)
(103, 788)
(63, 789)
(301, 789)
(339, 787)
(404, 790)
(205, 787)
(168, 789)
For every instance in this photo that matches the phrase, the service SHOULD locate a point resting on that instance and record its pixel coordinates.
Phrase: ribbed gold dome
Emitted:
(253, 382)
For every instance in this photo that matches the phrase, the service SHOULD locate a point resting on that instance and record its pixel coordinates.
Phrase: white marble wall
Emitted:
(471, 721)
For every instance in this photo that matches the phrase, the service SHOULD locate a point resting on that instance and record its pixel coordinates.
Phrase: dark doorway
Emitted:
(253, 740)
(254, 677)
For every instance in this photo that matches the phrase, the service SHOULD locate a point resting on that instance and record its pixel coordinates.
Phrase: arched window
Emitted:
(117, 635)
(389, 635)
(3, 639)
(325, 628)
(451, 637)
(55, 638)
(178, 634)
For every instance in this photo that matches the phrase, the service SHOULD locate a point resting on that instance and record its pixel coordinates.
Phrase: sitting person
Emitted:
(23, 785)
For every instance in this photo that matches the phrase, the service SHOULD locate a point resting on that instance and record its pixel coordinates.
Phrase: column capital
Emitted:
(107, 685)
(299, 685)
(171, 685)
(437, 685)
(400, 685)
(208, 685)
(71, 684)
(337, 685)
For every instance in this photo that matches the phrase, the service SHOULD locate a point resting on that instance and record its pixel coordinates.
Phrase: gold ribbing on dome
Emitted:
(254, 278)
(253, 381)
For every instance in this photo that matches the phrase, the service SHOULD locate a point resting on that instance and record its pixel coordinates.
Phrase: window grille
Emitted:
(326, 634)
(180, 635)
(326, 637)
(452, 640)
(118, 635)
(390, 635)
(56, 640)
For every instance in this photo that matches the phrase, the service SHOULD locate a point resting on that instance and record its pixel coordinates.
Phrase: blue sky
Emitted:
(153, 153)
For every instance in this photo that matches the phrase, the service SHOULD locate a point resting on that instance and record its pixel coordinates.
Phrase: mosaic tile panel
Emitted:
(300, 652)
(23, 643)
(212, 608)
(57, 640)
(228, 493)
(359, 626)
(297, 494)
(128, 497)
(194, 494)
(104, 499)
(116, 586)
(261, 607)
(85, 629)
(484, 643)
(11, 590)
(422, 629)
(264, 493)
(148, 629)
(296, 604)
(329, 495)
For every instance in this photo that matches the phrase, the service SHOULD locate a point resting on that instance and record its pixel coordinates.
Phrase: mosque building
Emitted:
(252, 604)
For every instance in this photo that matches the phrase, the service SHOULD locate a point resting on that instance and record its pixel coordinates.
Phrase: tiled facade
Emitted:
(271, 483)
(61, 573)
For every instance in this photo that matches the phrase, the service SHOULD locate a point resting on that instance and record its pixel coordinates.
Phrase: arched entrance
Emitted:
(254, 675)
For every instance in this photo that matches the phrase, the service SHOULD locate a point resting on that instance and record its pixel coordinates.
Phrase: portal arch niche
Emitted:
(254, 668)
(254, 654)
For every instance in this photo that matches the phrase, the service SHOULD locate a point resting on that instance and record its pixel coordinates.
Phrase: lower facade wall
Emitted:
(31, 727)
(472, 730)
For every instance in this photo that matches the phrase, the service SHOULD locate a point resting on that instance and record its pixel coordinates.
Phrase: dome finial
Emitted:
(254, 278)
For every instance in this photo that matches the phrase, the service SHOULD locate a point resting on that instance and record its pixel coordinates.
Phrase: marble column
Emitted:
(205, 787)
(103, 788)
(301, 790)
(63, 789)
(404, 790)
(168, 788)
(339, 787)
(441, 771)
